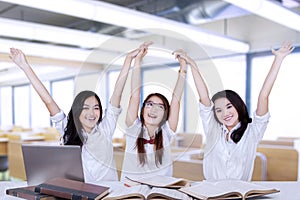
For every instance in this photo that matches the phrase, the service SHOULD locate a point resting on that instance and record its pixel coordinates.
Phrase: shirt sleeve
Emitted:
(259, 125)
(207, 116)
(59, 121)
(110, 119)
(168, 131)
(134, 128)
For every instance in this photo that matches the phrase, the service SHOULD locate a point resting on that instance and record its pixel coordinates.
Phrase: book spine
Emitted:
(28, 194)
(67, 193)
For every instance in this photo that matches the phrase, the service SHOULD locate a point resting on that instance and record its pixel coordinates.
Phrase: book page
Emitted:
(205, 189)
(162, 181)
(226, 189)
(138, 191)
(244, 187)
(168, 194)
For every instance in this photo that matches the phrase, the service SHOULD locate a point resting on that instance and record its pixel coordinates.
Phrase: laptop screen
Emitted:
(44, 162)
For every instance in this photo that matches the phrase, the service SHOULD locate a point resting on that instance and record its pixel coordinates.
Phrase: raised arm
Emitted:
(263, 98)
(198, 79)
(134, 101)
(20, 60)
(120, 83)
(177, 92)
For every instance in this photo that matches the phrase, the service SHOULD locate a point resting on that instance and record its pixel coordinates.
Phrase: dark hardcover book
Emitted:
(71, 189)
(29, 193)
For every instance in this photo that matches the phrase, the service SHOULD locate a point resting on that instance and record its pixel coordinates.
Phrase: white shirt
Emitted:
(225, 159)
(131, 165)
(97, 151)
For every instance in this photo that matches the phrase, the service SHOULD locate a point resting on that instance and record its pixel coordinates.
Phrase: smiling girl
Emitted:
(149, 138)
(231, 135)
(84, 125)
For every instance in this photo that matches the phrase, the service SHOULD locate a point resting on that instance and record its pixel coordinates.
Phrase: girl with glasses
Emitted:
(149, 137)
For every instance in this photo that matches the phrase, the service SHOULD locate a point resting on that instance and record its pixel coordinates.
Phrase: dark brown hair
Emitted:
(158, 142)
(73, 135)
(241, 109)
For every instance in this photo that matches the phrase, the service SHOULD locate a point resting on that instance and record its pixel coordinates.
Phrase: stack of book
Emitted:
(60, 188)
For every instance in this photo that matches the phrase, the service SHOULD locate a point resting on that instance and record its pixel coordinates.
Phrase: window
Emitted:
(39, 112)
(112, 78)
(21, 106)
(63, 94)
(6, 107)
(232, 71)
(284, 115)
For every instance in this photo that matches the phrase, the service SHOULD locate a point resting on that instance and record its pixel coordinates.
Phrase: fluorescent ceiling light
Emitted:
(120, 16)
(59, 52)
(58, 35)
(95, 56)
(270, 10)
(33, 31)
(44, 50)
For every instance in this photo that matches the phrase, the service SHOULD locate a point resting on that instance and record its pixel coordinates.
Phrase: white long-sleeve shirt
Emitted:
(225, 159)
(131, 165)
(97, 151)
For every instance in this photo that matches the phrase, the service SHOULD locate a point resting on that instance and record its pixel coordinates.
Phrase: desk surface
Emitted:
(288, 190)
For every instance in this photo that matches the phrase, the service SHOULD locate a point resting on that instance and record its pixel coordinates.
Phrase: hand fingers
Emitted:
(146, 44)
(288, 45)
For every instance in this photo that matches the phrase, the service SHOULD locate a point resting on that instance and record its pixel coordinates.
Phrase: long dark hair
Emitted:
(242, 111)
(158, 142)
(73, 133)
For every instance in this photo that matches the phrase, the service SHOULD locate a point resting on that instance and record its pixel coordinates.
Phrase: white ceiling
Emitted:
(215, 16)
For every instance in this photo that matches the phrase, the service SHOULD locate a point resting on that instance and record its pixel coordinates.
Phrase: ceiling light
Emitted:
(95, 56)
(59, 52)
(270, 10)
(33, 31)
(46, 33)
(120, 16)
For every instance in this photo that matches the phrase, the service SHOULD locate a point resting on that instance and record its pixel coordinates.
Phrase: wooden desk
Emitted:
(288, 190)
(3, 146)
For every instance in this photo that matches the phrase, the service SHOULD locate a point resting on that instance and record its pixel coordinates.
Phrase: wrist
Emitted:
(182, 71)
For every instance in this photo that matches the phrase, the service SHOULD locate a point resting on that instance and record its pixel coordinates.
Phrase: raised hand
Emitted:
(18, 57)
(284, 50)
(180, 54)
(142, 50)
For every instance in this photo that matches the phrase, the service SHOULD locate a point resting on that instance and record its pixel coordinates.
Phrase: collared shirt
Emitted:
(131, 165)
(225, 159)
(97, 150)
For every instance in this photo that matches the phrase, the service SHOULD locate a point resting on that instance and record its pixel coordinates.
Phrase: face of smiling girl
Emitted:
(226, 113)
(153, 111)
(90, 114)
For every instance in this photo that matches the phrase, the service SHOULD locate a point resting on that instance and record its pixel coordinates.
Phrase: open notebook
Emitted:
(44, 162)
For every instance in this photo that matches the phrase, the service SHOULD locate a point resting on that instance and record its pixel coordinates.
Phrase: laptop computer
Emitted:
(44, 162)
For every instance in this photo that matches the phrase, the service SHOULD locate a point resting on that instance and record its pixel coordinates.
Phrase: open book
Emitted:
(159, 181)
(227, 189)
(146, 192)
